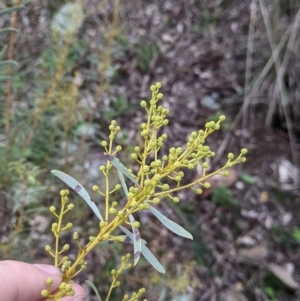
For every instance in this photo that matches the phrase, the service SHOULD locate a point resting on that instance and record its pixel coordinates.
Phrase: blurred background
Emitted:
(68, 68)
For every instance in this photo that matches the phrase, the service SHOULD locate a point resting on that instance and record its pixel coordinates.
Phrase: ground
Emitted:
(246, 229)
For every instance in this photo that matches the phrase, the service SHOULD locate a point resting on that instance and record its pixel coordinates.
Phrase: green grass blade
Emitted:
(91, 284)
(119, 166)
(10, 10)
(8, 63)
(74, 184)
(170, 224)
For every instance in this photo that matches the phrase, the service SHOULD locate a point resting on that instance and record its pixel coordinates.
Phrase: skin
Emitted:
(20, 281)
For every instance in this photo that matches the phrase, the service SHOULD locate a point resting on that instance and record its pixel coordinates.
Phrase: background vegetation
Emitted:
(83, 63)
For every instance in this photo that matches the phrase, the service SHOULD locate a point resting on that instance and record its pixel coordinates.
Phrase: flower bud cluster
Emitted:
(114, 129)
(135, 296)
(64, 196)
(67, 289)
(65, 265)
(158, 118)
(105, 169)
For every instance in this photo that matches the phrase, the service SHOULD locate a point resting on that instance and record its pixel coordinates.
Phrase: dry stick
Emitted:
(13, 24)
(280, 70)
(257, 82)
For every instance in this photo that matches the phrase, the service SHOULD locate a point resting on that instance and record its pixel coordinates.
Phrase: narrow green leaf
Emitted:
(137, 244)
(91, 284)
(74, 184)
(146, 252)
(170, 224)
(119, 166)
(3, 52)
(8, 63)
(152, 259)
(10, 10)
(122, 180)
(7, 30)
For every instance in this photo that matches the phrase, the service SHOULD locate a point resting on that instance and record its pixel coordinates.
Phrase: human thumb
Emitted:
(20, 281)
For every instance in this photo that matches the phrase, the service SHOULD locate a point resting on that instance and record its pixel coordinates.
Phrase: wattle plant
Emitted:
(156, 178)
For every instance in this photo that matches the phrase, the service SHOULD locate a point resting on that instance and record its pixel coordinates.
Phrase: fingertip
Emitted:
(52, 270)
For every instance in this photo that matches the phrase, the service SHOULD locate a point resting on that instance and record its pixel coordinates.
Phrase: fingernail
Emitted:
(54, 271)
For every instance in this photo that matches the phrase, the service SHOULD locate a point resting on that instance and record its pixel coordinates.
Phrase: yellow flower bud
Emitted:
(230, 156)
(70, 207)
(54, 226)
(176, 199)
(95, 188)
(177, 164)
(49, 281)
(159, 96)
(102, 224)
(136, 224)
(52, 209)
(152, 88)
(205, 165)
(244, 151)
(199, 191)
(112, 210)
(143, 104)
(165, 187)
(71, 293)
(47, 248)
(206, 185)
(156, 201)
(45, 293)
(134, 156)
(69, 225)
